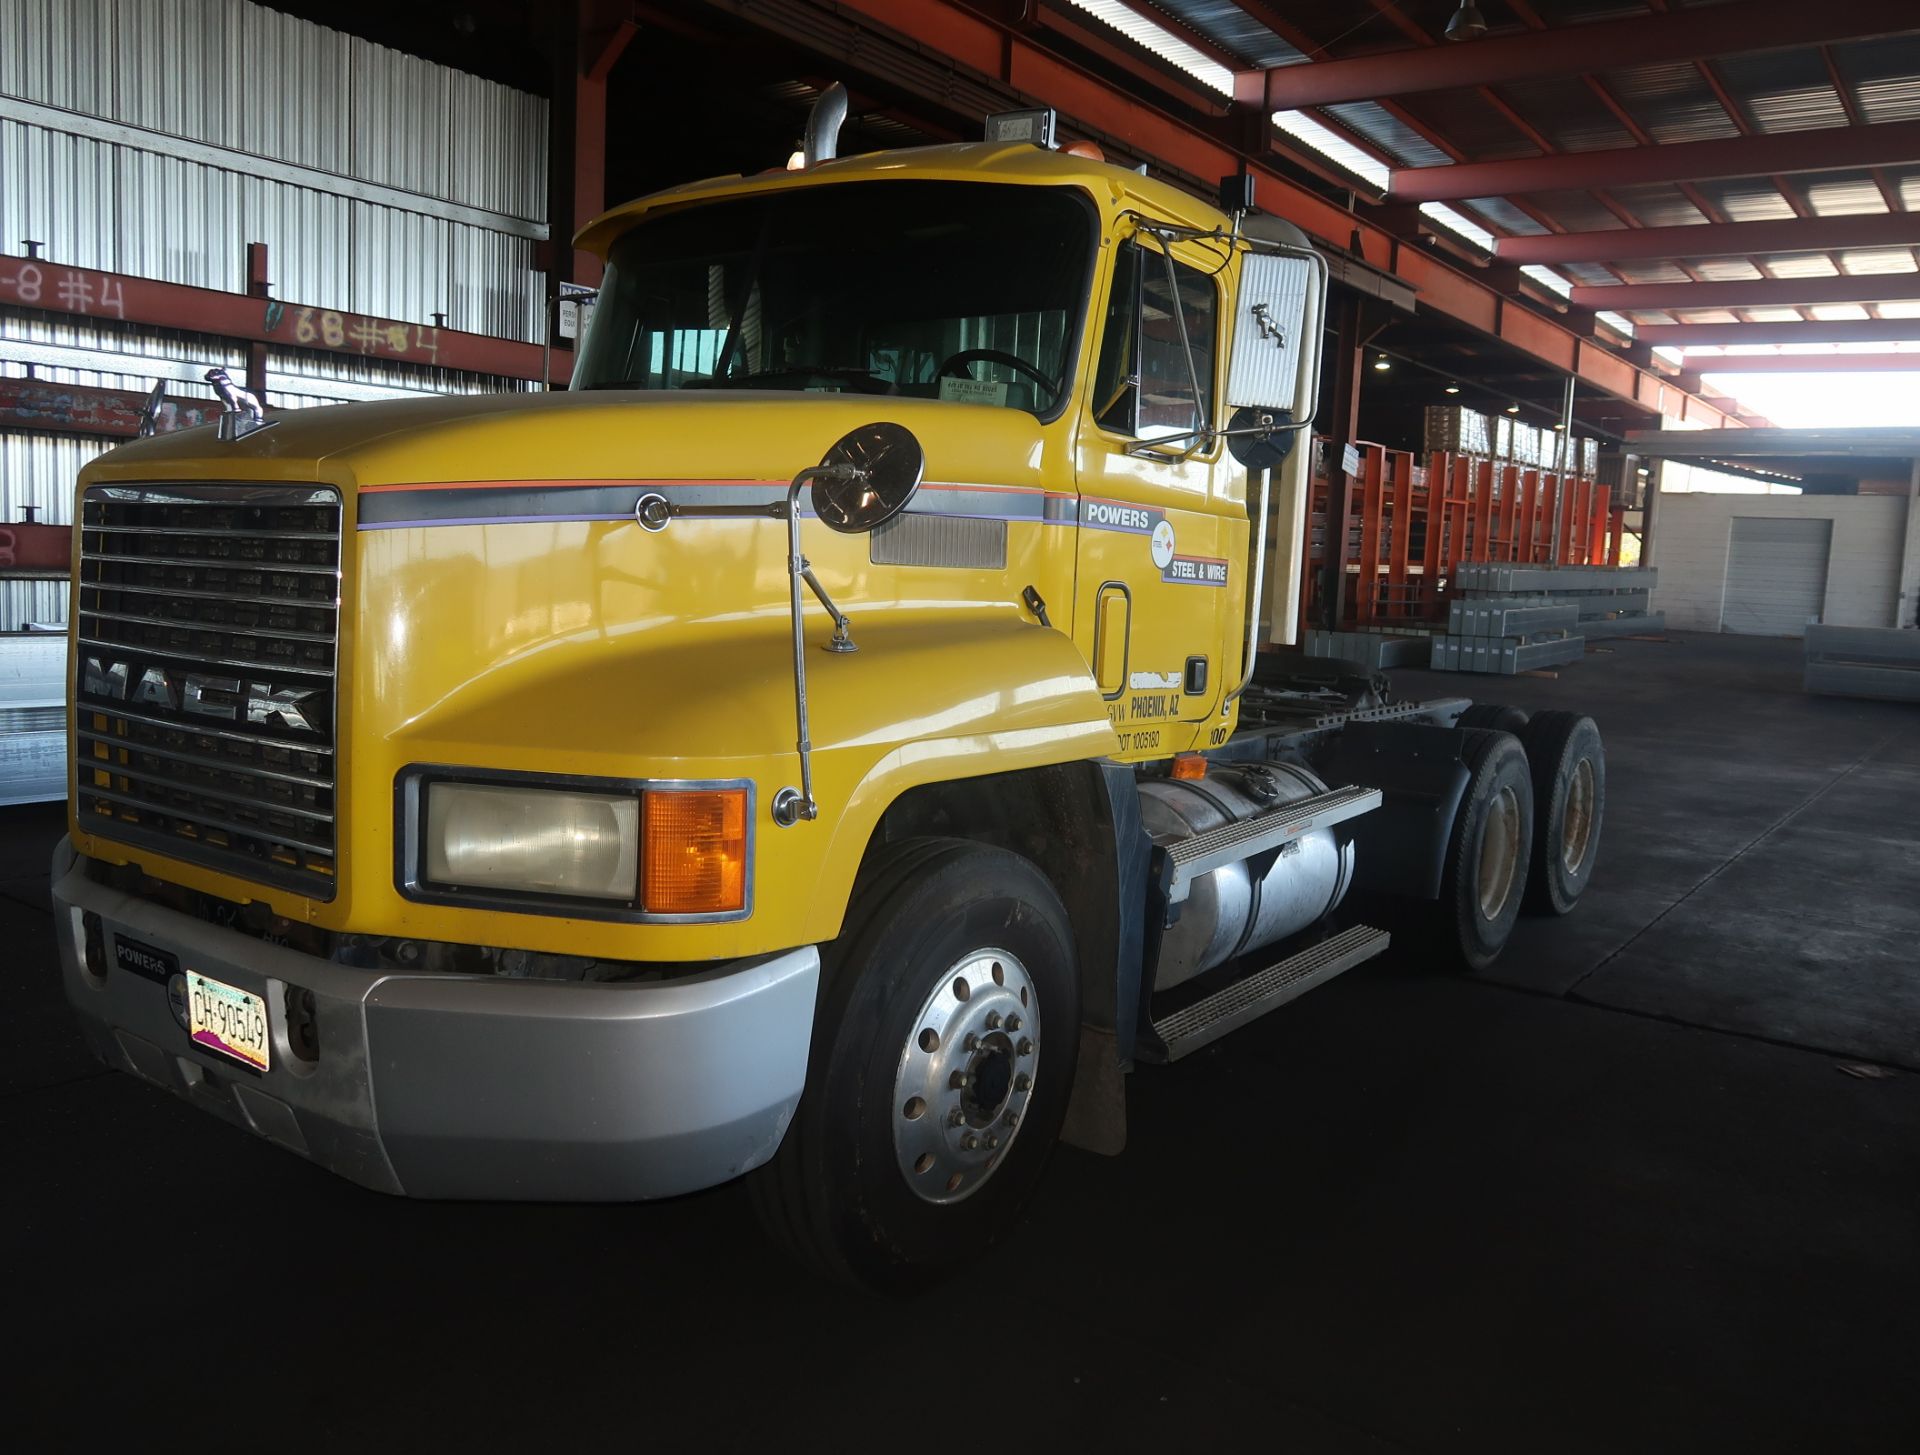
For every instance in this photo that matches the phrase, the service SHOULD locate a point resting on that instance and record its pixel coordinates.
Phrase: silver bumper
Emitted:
(466, 1086)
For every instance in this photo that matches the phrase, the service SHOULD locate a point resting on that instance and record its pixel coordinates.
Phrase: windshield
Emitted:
(935, 290)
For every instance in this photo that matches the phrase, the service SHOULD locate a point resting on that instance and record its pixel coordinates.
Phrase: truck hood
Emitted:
(734, 435)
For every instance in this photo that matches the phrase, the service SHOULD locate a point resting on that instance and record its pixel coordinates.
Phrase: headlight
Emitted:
(605, 848)
(533, 840)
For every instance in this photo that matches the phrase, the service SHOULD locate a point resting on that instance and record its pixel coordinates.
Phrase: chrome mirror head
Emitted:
(868, 477)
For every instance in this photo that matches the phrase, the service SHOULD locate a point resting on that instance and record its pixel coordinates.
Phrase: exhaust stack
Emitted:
(829, 114)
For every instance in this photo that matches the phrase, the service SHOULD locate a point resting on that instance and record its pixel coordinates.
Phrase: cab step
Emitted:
(1193, 858)
(1205, 1021)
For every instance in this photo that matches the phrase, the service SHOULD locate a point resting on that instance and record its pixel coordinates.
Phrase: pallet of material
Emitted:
(1509, 616)
(1627, 624)
(1503, 656)
(1491, 578)
(1864, 661)
(1593, 605)
(1406, 648)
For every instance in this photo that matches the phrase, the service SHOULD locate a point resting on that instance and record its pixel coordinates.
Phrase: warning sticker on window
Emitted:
(973, 391)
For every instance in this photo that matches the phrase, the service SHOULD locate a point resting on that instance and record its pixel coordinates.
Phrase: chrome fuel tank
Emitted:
(1228, 912)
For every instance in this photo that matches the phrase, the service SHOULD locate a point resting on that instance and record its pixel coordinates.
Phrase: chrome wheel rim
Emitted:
(1499, 853)
(1576, 824)
(966, 1076)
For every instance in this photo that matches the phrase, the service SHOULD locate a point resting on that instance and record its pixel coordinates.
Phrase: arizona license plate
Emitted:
(226, 1019)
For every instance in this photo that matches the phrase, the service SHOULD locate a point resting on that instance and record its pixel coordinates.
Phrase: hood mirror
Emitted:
(865, 480)
(868, 478)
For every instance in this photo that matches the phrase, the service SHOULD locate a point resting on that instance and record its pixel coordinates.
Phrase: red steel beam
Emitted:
(102, 413)
(1715, 239)
(119, 298)
(1830, 331)
(1895, 143)
(1750, 293)
(1804, 363)
(1578, 49)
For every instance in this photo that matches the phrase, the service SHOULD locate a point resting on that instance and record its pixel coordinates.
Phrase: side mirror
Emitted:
(868, 477)
(1270, 336)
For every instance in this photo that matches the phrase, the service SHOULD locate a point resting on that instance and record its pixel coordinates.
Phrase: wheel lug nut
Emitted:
(1023, 1082)
(969, 1142)
(957, 1080)
(1013, 1022)
(1013, 1120)
(955, 1117)
(1025, 1048)
(972, 1042)
(993, 1020)
(992, 1143)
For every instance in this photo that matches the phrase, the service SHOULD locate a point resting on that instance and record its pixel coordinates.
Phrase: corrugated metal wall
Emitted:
(470, 155)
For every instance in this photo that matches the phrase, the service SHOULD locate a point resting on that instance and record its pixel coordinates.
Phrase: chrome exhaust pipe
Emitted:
(829, 114)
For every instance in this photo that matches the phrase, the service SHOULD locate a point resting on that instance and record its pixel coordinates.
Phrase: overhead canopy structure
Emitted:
(1828, 461)
(1627, 145)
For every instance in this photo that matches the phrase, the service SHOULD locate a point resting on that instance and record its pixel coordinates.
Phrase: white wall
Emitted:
(1863, 574)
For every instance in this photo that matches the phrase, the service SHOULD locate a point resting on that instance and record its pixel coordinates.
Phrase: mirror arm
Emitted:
(790, 805)
(1259, 585)
(1203, 433)
(842, 627)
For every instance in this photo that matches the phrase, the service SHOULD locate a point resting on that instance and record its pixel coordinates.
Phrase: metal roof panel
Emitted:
(1672, 102)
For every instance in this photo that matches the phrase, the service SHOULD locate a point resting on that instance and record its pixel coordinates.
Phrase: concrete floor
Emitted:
(1622, 1193)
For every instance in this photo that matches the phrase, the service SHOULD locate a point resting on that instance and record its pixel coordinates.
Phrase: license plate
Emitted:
(226, 1019)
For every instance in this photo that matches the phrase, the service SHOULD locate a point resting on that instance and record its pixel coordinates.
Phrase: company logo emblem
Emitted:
(1162, 544)
(1117, 517)
(177, 998)
(231, 699)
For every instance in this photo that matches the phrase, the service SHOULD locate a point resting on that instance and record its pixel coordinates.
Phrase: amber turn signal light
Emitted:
(1189, 766)
(694, 851)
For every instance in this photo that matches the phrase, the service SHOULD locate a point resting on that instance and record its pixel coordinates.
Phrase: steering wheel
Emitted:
(956, 367)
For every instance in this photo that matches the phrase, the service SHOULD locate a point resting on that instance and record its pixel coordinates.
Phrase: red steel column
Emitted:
(1439, 475)
(1373, 462)
(1397, 593)
(1602, 517)
(258, 286)
(1482, 512)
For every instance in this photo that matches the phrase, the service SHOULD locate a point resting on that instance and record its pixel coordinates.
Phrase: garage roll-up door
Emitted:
(1776, 575)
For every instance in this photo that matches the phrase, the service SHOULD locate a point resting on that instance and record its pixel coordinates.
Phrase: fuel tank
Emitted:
(1229, 911)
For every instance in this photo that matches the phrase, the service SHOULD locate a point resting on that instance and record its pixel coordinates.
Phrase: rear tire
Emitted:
(1569, 770)
(943, 1057)
(1488, 853)
(1495, 717)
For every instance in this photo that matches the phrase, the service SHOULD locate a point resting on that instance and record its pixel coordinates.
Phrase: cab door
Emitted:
(1163, 527)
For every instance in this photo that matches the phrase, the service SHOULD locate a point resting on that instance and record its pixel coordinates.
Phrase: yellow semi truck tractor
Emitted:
(825, 744)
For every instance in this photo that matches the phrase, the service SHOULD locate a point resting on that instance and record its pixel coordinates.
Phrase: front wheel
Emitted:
(943, 1055)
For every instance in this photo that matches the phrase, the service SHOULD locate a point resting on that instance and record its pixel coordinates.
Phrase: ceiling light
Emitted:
(1383, 363)
(1452, 389)
(1467, 23)
(1513, 409)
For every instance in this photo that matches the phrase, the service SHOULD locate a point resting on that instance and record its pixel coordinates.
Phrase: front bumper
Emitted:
(433, 1085)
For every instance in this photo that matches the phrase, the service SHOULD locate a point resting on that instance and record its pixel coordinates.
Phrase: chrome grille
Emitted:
(208, 620)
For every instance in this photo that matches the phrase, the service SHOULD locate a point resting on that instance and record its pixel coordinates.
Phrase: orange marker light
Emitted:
(1189, 766)
(694, 851)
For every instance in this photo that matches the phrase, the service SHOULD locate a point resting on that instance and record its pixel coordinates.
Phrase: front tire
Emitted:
(943, 1056)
